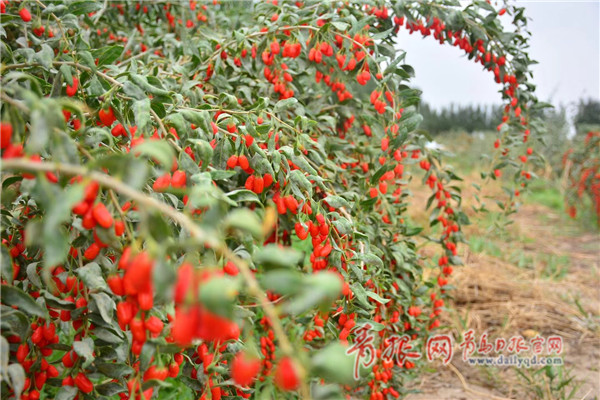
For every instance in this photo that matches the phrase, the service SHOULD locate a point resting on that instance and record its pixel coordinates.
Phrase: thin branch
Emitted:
(101, 12)
(14, 102)
(99, 73)
(297, 27)
(226, 111)
(58, 22)
(59, 63)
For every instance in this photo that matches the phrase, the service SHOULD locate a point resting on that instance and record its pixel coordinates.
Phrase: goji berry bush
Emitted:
(202, 200)
(581, 166)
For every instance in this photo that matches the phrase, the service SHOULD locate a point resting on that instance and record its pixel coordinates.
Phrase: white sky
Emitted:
(565, 41)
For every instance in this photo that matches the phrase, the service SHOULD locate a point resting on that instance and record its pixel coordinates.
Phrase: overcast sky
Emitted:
(565, 41)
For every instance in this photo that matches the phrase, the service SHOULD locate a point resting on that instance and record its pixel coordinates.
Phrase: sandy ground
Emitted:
(535, 297)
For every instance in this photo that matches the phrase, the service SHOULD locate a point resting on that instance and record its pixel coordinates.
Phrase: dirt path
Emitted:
(542, 278)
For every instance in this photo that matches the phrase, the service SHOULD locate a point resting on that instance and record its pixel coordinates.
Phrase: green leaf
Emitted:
(91, 275)
(114, 370)
(178, 122)
(229, 99)
(147, 355)
(56, 243)
(51, 300)
(87, 60)
(328, 391)
(10, 180)
(14, 321)
(40, 130)
(4, 353)
(45, 56)
(244, 220)
(110, 389)
(169, 348)
(132, 90)
(141, 111)
(377, 297)
(411, 123)
(95, 88)
(320, 288)
(84, 7)
(376, 326)
(395, 63)
(413, 230)
(66, 393)
(56, 9)
(16, 373)
(105, 306)
(333, 364)
(381, 35)
(409, 69)
(272, 256)
(304, 165)
(142, 82)
(6, 264)
(188, 165)
(157, 149)
(218, 295)
(297, 177)
(70, 21)
(343, 226)
(282, 281)
(287, 103)
(108, 336)
(13, 296)
(136, 173)
(157, 105)
(380, 172)
(243, 195)
(158, 227)
(85, 348)
(205, 150)
(372, 259)
(337, 201)
(361, 294)
(107, 55)
(197, 118)
(66, 72)
(339, 25)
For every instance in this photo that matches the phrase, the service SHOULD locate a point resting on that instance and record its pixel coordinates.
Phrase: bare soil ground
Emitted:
(543, 278)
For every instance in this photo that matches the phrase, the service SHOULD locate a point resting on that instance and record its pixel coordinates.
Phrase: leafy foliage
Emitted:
(582, 171)
(460, 118)
(587, 117)
(183, 182)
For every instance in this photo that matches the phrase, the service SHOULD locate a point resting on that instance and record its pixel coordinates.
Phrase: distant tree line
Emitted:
(463, 118)
(588, 116)
(478, 118)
